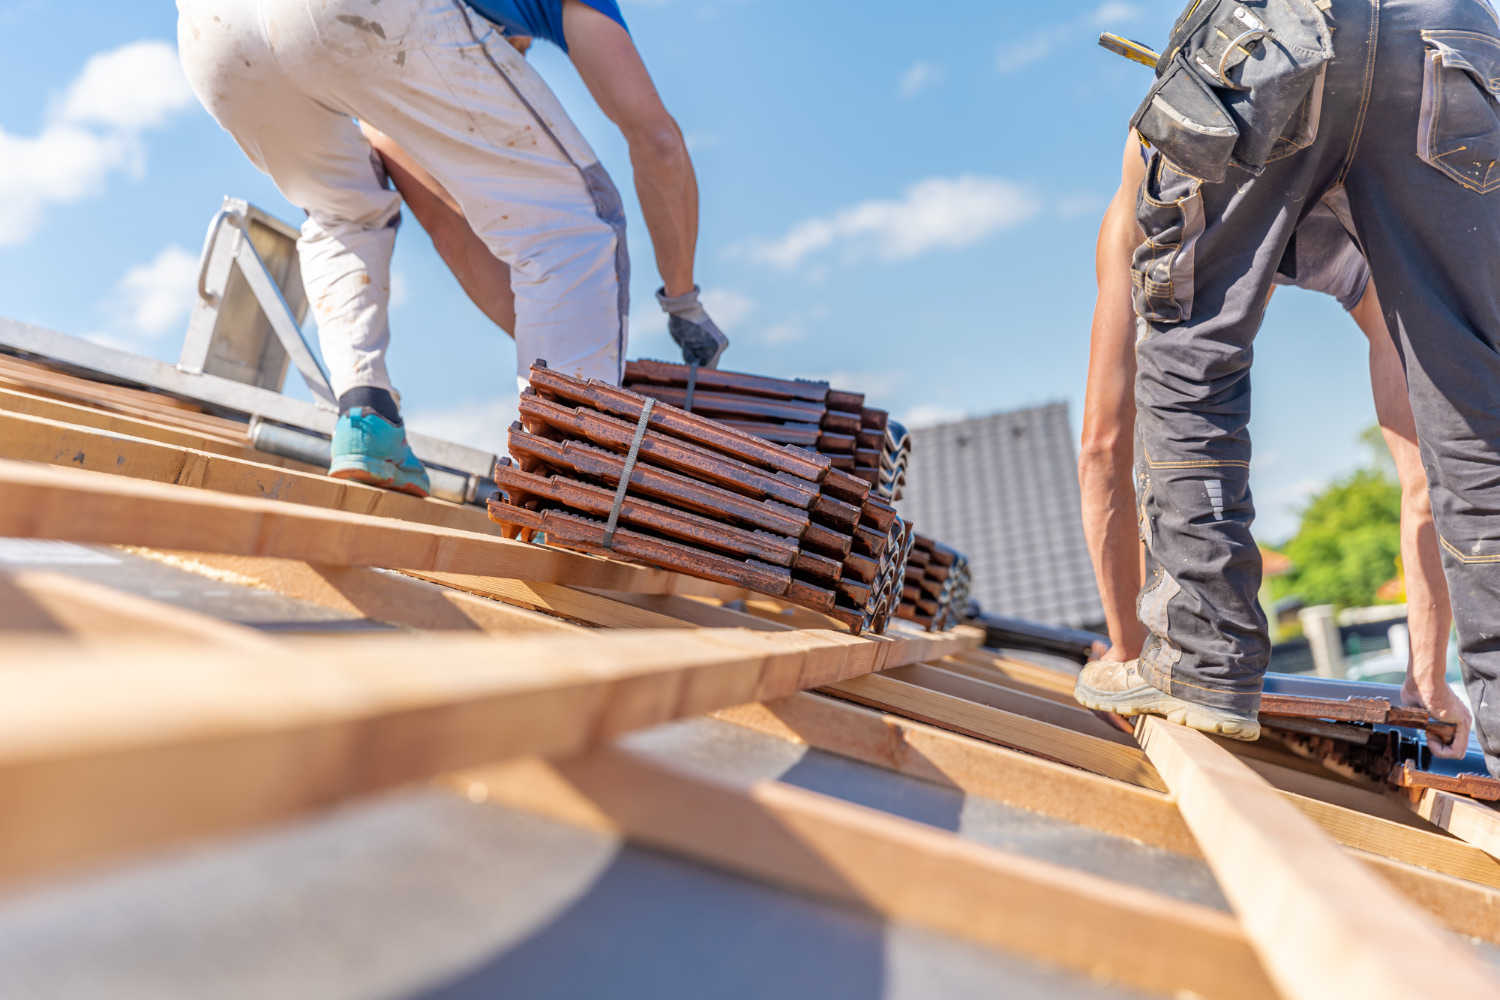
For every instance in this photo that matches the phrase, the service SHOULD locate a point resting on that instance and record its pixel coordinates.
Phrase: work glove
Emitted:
(701, 341)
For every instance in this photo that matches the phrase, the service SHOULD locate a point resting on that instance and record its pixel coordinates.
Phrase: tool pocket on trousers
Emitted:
(1184, 119)
(1170, 212)
(1262, 65)
(1459, 128)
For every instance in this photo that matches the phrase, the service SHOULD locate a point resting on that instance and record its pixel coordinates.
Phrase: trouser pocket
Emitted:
(1459, 128)
(1185, 120)
(1170, 213)
(1261, 65)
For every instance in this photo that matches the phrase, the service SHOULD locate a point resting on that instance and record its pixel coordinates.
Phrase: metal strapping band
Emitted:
(692, 384)
(627, 472)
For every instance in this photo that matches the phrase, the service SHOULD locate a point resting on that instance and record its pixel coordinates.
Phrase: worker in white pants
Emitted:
(291, 79)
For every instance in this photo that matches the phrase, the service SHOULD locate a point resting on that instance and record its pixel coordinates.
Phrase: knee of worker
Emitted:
(582, 334)
(345, 261)
(572, 314)
(587, 347)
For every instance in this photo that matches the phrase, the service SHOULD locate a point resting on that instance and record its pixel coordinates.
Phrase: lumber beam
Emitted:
(1018, 671)
(80, 506)
(702, 613)
(1437, 872)
(79, 415)
(893, 867)
(1323, 927)
(556, 599)
(971, 766)
(934, 677)
(36, 439)
(1113, 760)
(101, 616)
(371, 593)
(172, 743)
(966, 665)
(1466, 819)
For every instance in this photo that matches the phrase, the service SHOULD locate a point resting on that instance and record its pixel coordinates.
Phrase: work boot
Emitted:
(1109, 686)
(368, 448)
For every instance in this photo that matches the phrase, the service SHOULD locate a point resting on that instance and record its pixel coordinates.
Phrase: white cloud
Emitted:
(135, 87)
(400, 289)
(92, 131)
(935, 213)
(726, 308)
(1033, 49)
(155, 298)
(1071, 206)
(478, 423)
(918, 78)
(783, 333)
(930, 415)
(877, 385)
(1113, 12)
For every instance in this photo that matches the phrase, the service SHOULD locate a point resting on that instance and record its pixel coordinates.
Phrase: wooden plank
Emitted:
(994, 725)
(176, 742)
(576, 605)
(36, 439)
(105, 617)
(1322, 925)
(696, 611)
(970, 765)
(86, 416)
(1026, 673)
(895, 868)
(1460, 906)
(965, 665)
(1401, 855)
(369, 593)
(1074, 717)
(147, 405)
(1469, 821)
(80, 506)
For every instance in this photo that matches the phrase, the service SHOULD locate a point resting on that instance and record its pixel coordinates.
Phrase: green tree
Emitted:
(1349, 536)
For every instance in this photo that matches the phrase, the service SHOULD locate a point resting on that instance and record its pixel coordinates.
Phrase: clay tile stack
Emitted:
(704, 497)
(856, 438)
(935, 591)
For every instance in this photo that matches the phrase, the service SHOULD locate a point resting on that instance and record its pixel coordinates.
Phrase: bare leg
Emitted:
(1428, 611)
(484, 277)
(612, 69)
(1105, 460)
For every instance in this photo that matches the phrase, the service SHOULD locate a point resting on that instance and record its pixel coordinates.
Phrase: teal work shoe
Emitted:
(1108, 686)
(368, 448)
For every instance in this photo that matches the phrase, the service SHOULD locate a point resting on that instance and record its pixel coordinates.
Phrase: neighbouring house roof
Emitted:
(1003, 489)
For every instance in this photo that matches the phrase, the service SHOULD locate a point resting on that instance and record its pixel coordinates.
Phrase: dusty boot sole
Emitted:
(369, 479)
(1148, 700)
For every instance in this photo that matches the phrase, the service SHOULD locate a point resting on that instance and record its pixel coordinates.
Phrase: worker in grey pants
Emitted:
(1386, 110)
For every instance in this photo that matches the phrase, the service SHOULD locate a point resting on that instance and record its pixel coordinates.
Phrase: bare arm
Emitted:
(612, 69)
(483, 276)
(1105, 459)
(1428, 612)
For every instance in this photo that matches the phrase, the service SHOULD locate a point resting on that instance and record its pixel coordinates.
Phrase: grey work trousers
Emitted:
(1406, 147)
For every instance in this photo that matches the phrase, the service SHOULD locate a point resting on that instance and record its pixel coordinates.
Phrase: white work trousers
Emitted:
(288, 78)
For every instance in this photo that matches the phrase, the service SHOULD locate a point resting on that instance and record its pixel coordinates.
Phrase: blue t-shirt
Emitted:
(539, 18)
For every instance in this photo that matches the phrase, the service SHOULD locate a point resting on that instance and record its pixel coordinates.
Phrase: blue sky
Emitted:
(907, 207)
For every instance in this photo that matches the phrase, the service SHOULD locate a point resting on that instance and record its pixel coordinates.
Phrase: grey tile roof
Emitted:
(1004, 490)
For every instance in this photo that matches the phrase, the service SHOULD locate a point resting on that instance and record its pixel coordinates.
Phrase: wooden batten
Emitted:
(1453, 882)
(897, 868)
(1324, 927)
(1470, 821)
(172, 743)
(36, 439)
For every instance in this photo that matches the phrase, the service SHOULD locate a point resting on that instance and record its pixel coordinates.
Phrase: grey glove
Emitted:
(701, 341)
